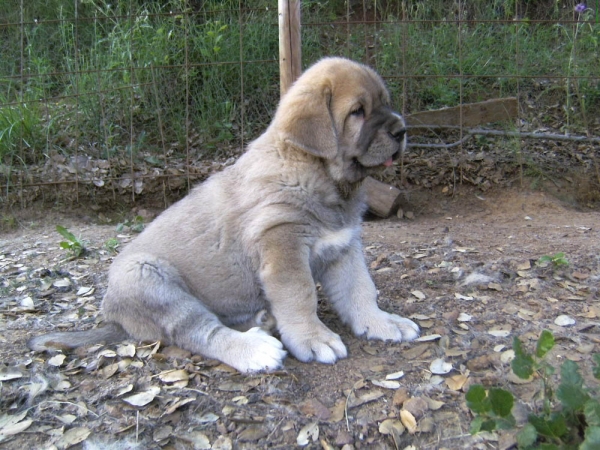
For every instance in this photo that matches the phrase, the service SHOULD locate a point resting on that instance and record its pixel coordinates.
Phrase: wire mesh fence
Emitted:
(120, 101)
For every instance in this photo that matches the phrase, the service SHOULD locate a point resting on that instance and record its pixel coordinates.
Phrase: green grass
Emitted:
(122, 78)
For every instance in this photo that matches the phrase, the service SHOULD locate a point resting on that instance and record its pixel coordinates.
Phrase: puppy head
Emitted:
(339, 110)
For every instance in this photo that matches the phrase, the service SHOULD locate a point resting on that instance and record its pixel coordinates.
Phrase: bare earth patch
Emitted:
(464, 269)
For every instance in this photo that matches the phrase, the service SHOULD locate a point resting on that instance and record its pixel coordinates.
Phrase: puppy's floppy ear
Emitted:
(306, 121)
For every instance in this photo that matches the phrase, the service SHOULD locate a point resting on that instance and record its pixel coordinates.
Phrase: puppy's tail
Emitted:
(111, 332)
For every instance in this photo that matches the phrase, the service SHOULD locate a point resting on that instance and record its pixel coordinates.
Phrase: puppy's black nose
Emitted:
(397, 134)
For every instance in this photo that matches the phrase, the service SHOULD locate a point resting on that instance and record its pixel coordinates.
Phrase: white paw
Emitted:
(257, 351)
(314, 343)
(386, 327)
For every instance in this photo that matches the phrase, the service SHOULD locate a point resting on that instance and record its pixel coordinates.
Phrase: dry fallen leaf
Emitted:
(124, 390)
(564, 321)
(440, 367)
(222, 443)
(417, 406)
(308, 433)
(419, 295)
(126, 350)
(507, 356)
(143, 398)
(200, 441)
(147, 350)
(72, 437)
(57, 360)
(67, 419)
(429, 337)
(395, 375)
(63, 282)
(386, 384)
(208, 418)
(337, 411)
(10, 373)
(11, 425)
(353, 401)
(391, 426)
(456, 382)
(177, 404)
(408, 420)
(419, 316)
(171, 376)
(161, 433)
(109, 370)
(107, 353)
(240, 400)
(252, 433)
(85, 291)
(499, 333)
(313, 407)
(432, 404)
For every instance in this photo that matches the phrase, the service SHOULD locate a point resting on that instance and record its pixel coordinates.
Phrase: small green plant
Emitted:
(568, 417)
(557, 260)
(111, 245)
(136, 225)
(74, 246)
(8, 222)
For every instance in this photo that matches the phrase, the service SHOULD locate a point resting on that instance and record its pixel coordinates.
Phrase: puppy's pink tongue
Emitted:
(389, 162)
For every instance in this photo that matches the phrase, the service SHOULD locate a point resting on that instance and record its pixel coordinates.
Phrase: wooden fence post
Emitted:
(290, 53)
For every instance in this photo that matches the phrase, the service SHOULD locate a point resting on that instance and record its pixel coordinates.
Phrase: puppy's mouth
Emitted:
(377, 165)
(388, 162)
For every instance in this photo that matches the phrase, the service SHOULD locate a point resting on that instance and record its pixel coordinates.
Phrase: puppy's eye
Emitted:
(358, 112)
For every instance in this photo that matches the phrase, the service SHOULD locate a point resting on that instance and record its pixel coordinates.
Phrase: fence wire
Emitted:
(120, 102)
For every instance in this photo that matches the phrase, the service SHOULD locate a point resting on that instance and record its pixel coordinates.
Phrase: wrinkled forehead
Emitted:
(345, 78)
(360, 84)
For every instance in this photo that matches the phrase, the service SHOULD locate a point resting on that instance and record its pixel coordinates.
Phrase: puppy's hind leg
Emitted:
(149, 298)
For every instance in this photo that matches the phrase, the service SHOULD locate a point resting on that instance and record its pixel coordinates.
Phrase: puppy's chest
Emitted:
(331, 244)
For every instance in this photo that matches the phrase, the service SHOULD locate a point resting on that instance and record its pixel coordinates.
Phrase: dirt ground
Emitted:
(464, 268)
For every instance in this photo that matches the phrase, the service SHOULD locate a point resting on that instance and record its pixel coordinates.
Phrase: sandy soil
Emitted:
(464, 266)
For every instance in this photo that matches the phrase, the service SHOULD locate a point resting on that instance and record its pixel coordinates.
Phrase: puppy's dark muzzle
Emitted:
(398, 135)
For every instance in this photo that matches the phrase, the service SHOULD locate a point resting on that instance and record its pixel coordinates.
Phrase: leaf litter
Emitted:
(381, 394)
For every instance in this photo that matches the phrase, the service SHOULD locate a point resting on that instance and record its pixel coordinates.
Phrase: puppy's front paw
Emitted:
(257, 351)
(386, 327)
(315, 342)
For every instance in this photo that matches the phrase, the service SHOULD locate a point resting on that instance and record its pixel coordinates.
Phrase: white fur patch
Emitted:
(259, 352)
(334, 239)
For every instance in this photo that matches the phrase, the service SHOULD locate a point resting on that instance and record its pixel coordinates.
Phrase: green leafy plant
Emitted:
(493, 408)
(568, 416)
(75, 246)
(111, 245)
(557, 260)
(136, 225)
